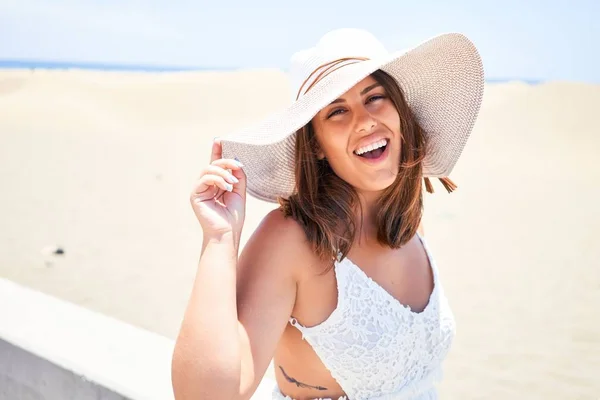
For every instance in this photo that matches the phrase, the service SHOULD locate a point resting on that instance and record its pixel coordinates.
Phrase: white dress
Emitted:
(377, 348)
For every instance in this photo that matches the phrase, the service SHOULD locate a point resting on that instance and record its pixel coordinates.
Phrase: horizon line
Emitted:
(131, 67)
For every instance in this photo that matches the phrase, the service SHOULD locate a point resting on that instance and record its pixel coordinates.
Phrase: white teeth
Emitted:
(371, 147)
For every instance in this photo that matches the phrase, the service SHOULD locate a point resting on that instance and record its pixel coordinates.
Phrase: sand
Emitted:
(101, 164)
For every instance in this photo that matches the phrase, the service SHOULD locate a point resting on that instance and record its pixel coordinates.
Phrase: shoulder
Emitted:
(276, 228)
(276, 222)
(280, 240)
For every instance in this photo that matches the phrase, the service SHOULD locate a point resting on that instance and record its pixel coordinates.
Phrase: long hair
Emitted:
(326, 206)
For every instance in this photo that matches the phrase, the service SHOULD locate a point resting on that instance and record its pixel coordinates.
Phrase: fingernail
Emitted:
(229, 187)
(233, 179)
(239, 163)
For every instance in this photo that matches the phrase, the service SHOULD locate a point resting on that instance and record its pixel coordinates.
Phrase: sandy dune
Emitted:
(101, 164)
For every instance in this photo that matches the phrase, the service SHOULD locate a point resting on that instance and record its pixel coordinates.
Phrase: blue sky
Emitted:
(538, 40)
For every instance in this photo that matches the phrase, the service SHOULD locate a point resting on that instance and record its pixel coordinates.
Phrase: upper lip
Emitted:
(370, 140)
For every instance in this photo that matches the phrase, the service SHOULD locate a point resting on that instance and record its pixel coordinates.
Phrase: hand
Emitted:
(219, 197)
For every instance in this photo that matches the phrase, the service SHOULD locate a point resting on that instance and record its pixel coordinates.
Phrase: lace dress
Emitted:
(377, 348)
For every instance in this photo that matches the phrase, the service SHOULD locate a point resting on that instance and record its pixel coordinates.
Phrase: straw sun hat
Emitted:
(442, 80)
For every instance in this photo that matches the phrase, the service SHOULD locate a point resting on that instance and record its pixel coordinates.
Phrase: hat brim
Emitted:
(442, 80)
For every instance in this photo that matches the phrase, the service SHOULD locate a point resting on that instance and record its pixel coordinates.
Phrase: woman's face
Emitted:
(359, 135)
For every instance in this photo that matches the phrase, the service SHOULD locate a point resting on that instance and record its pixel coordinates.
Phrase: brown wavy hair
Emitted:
(325, 205)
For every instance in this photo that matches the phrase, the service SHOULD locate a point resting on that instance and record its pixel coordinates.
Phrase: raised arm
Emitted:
(238, 309)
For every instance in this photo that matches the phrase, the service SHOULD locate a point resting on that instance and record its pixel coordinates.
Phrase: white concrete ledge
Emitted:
(52, 349)
(26, 376)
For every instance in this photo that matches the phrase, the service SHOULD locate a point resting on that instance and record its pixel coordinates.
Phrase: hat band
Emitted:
(326, 69)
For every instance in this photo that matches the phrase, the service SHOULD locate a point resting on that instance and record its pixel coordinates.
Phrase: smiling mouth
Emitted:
(375, 153)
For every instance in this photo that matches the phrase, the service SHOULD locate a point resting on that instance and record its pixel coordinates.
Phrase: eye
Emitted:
(335, 112)
(375, 98)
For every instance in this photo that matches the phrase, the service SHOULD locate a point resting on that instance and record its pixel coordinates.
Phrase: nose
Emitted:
(364, 121)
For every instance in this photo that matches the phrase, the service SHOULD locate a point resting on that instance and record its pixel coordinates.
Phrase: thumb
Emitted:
(240, 174)
(216, 151)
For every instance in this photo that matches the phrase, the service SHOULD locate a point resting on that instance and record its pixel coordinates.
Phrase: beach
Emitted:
(101, 164)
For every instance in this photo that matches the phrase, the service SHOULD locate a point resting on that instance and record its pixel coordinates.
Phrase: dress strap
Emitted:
(294, 322)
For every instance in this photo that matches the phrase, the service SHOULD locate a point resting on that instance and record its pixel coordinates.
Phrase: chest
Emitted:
(405, 276)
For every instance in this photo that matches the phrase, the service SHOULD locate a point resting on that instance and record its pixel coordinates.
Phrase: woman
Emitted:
(336, 285)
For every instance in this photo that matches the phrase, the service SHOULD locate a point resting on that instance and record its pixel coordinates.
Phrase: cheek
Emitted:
(391, 118)
(338, 159)
(333, 144)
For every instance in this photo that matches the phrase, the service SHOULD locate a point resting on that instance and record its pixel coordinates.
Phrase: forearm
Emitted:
(207, 356)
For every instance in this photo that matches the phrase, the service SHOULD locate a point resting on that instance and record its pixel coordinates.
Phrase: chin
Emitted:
(377, 185)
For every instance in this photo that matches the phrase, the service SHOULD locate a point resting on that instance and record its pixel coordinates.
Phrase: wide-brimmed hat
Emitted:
(441, 78)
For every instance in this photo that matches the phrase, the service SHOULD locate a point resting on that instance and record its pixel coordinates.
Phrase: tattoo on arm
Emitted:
(299, 384)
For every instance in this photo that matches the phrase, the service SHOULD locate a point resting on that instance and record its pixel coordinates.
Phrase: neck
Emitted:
(367, 226)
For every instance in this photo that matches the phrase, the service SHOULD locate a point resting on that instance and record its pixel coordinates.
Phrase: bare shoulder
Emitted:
(279, 242)
(276, 222)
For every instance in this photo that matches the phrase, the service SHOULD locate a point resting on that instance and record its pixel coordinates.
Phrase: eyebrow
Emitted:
(365, 90)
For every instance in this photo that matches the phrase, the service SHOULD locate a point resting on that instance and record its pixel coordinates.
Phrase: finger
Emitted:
(223, 173)
(217, 150)
(207, 182)
(212, 192)
(228, 163)
(236, 168)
